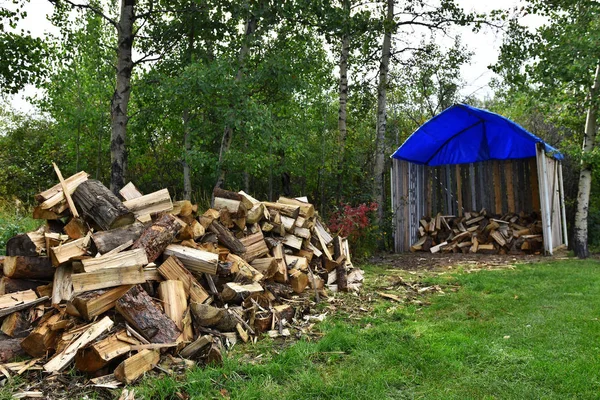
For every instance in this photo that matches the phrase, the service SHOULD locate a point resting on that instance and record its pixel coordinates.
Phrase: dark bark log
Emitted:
(120, 99)
(21, 245)
(101, 206)
(16, 325)
(10, 349)
(342, 277)
(227, 194)
(227, 239)
(9, 285)
(155, 239)
(21, 267)
(105, 241)
(146, 317)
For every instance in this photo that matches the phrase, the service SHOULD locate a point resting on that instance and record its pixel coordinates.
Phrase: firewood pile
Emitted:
(478, 232)
(116, 287)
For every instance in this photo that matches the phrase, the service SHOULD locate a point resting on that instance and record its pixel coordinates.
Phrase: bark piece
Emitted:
(97, 302)
(146, 317)
(64, 358)
(131, 258)
(226, 238)
(149, 204)
(155, 239)
(100, 205)
(23, 267)
(197, 261)
(135, 366)
(107, 278)
(105, 241)
(173, 269)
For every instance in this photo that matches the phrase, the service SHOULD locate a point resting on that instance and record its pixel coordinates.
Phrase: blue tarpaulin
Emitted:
(463, 134)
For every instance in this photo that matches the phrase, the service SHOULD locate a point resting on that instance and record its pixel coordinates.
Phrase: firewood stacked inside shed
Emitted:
(112, 285)
(480, 232)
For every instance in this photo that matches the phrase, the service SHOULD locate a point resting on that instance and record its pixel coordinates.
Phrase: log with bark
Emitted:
(100, 205)
(155, 239)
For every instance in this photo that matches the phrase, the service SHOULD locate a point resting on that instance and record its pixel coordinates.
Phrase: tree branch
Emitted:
(95, 10)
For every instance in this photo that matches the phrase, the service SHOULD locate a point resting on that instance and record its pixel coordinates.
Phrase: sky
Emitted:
(476, 75)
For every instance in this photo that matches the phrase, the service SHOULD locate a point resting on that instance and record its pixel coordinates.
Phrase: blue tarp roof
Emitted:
(463, 134)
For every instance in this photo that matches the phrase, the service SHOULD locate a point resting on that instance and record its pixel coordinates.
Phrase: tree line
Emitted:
(302, 97)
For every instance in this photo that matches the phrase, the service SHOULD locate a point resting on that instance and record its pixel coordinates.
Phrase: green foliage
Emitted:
(14, 219)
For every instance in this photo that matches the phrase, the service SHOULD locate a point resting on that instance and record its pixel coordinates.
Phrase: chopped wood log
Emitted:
(30, 244)
(300, 263)
(39, 213)
(42, 339)
(212, 317)
(103, 279)
(62, 285)
(173, 269)
(342, 277)
(8, 301)
(322, 232)
(64, 252)
(288, 223)
(16, 325)
(64, 358)
(233, 292)
(307, 210)
(100, 205)
(437, 248)
(193, 348)
(146, 317)
(497, 236)
(255, 246)
(99, 354)
(281, 275)
(10, 285)
(255, 214)
(292, 241)
(197, 261)
(65, 189)
(227, 239)
(235, 207)
(174, 300)
(243, 270)
(149, 204)
(10, 349)
(155, 239)
(97, 302)
(132, 258)
(298, 280)
(135, 366)
(23, 267)
(55, 195)
(106, 241)
(285, 209)
(266, 266)
(76, 228)
(130, 192)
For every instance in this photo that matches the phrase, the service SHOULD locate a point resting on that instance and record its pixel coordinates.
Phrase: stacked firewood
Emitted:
(112, 285)
(479, 232)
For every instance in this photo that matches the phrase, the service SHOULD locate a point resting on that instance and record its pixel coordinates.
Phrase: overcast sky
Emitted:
(484, 44)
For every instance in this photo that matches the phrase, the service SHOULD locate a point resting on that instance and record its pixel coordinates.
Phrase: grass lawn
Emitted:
(532, 332)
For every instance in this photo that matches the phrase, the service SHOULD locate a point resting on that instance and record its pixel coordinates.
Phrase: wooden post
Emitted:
(546, 215)
(448, 191)
(472, 187)
(562, 204)
(535, 185)
(510, 192)
(459, 190)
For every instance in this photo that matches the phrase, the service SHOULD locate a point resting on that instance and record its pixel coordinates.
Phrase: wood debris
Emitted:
(121, 286)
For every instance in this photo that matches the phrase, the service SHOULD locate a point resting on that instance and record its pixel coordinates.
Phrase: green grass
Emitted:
(533, 332)
(14, 221)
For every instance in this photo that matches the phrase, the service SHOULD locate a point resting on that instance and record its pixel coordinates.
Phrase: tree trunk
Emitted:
(187, 147)
(120, 99)
(228, 132)
(580, 232)
(379, 181)
(343, 99)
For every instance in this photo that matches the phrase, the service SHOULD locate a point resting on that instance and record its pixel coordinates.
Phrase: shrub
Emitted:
(356, 224)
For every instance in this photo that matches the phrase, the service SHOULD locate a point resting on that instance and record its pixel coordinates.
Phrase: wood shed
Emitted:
(468, 159)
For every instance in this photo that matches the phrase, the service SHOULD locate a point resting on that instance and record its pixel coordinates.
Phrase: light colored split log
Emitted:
(284, 209)
(322, 243)
(173, 269)
(76, 228)
(307, 210)
(62, 359)
(131, 258)
(16, 324)
(137, 307)
(298, 280)
(130, 192)
(323, 234)
(193, 348)
(22, 267)
(174, 301)
(235, 207)
(97, 302)
(65, 189)
(64, 252)
(438, 247)
(152, 203)
(234, 292)
(302, 232)
(9, 301)
(197, 261)
(38, 213)
(300, 263)
(497, 236)
(135, 366)
(107, 278)
(255, 246)
(281, 275)
(243, 270)
(266, 266)
(317, 253)
(56, 194)
(248, 200)
(62, 285)
(97, 355)
(292, 241)
(42, 339)
(475, 247)
(288, 223)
